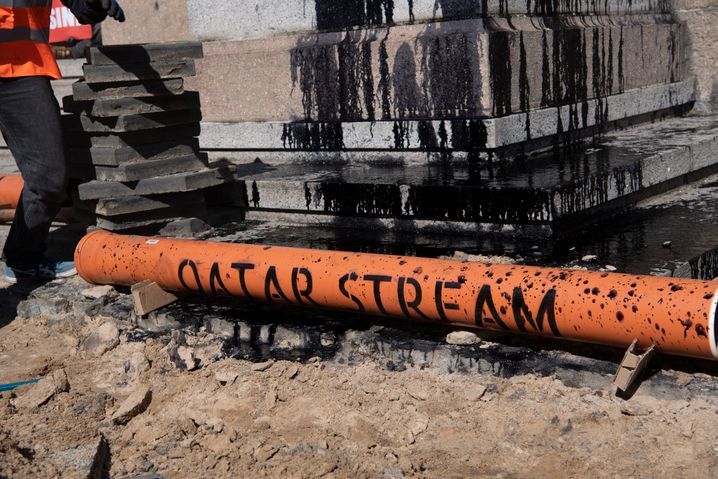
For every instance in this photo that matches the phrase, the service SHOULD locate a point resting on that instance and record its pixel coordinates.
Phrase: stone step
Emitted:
(492, 233)
(447, 70)
(132, 106)
(633, 243)
(220, 20)
(143, 53)
(674, 234)
(560, 191)
(139, 71)
(379, 140)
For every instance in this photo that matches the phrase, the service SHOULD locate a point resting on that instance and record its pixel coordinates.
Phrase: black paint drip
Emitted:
(501, 80)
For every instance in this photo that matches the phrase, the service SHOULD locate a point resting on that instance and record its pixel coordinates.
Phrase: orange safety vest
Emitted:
(24, 39)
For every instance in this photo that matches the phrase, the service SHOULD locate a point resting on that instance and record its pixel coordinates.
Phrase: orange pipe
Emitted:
(10, 190)
(677, 315)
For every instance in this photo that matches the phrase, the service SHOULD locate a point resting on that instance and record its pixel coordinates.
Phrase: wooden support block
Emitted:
(148, 297)
(633, 364)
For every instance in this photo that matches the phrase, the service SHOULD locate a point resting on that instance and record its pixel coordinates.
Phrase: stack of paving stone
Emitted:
(132, 133)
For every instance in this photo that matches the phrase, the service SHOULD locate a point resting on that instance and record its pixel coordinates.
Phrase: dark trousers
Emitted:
(30, 123)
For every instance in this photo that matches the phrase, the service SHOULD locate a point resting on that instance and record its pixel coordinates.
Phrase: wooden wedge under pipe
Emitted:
(676, 315)
(10, 189)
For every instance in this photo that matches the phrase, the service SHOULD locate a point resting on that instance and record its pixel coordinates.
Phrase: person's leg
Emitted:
(30, 121)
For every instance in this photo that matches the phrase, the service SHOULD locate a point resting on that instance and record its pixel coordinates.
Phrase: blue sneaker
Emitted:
(47, 269)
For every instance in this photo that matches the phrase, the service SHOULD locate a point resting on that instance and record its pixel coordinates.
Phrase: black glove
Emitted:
(112, 7)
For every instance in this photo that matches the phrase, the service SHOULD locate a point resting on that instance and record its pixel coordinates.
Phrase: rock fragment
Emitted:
(292, 371)
(138, 364)
(417, 392)
(133, 406)
(462, 338)
(265, 453)
(262, 366)
(157, 322)
(103, 339)
(88, 461)
(419, 425)
(39, 394)
(474, 393)
(226, 376)
(589, 258)
(187, 356)
(220, 327)
(45, 307)
(97, 292)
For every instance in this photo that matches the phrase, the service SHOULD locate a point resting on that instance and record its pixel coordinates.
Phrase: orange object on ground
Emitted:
(677, 315)
(10, 189)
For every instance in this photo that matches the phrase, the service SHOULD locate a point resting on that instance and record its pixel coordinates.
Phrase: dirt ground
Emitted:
(236, 418)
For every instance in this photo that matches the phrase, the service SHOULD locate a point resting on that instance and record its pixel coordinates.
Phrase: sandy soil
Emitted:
(234, 418)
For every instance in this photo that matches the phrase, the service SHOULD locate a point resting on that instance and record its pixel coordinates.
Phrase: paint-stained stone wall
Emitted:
(248, 19)
(450, 69)
(148, 21)
(169, 20)
(701, 20)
